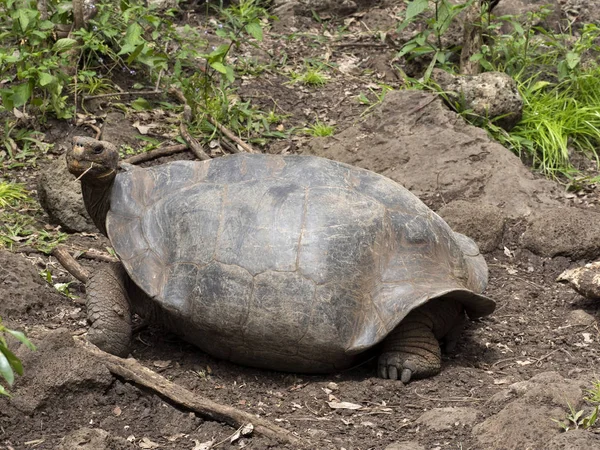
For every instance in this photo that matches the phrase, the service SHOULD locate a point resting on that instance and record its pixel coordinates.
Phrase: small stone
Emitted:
(333, 386)
(580, 317)
(439, 419)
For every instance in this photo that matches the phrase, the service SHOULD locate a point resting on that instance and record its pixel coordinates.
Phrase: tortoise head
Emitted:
(93, 161)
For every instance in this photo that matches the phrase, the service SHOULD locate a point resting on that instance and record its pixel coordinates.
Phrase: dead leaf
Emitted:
(524, 363)
(147, 443)
(117, 411)
(175, 437)
(243, 431)
(587, 337)
(343, 405)
(509, 253)
(203, 445)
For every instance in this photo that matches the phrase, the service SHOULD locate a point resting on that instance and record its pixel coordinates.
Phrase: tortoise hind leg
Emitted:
(108, 310)
(412, 350)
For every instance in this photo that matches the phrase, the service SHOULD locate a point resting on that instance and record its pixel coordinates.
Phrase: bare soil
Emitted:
(510, 375)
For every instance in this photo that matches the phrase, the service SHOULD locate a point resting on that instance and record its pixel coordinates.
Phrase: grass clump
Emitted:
(17, 222)
(320, 129)
(11, 194)
(557, 119)
(579, 419)
(311, 76)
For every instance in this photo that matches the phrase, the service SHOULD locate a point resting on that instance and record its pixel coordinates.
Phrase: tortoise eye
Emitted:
(98, 149)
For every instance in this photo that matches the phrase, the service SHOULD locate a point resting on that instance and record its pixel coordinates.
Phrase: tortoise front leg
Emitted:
(108, 310)
(412, 349)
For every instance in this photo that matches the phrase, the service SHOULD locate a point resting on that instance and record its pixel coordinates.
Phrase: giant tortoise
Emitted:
(292, 263)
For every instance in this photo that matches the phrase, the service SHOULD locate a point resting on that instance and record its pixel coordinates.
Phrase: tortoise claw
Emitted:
(393, 367)
(406, 374)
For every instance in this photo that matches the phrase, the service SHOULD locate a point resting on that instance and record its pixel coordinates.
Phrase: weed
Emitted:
(17, 224)
(9, 363)
(11, 194)
(429, 41)
(320, 129)
(576, 419)
(312, 75)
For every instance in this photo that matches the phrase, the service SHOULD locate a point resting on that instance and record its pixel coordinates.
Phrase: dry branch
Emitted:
(158, 153)
(68, 262)
(131, 370)
(247, 147)
(194, 145)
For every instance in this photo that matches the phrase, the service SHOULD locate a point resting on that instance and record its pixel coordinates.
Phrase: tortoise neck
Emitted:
(96, 198)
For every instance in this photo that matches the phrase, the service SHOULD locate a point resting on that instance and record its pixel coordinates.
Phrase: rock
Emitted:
(518, 426)
(563, 231)
(56, 370)
(405, 445)
(585, 280)
(60, 195)
(93, 439)
(546, 387)
(480, 221)
(493, 95)
(575, 440)
(440, 419)
(580, 318)
(415, 140)
(23, 292)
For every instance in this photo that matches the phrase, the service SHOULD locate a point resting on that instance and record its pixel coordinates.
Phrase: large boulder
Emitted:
(60, 196)
(414, 139)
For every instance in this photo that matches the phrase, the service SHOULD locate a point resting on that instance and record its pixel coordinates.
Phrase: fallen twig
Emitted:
(158, 153)
(131, 370)
(194, 145)
(226, 132)
(63, 256)
(119, 94)
(247, 147)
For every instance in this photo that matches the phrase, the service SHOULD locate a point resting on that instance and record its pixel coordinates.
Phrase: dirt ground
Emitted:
(510, 375)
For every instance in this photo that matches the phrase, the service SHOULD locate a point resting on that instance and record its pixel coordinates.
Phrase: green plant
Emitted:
(558, 118)
(17, 224)
(312, 75)
(11, 193)
(576, 419)
(9, 363)
(429, 40)
(320, 129)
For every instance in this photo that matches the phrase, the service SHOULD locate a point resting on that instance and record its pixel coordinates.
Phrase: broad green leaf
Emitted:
(46, 78)
(140, 104)
(64, 44)
(22, 338)
(229, 74)
(12, 360)
(25, 16)
(5, 370)
(255, 30)
(21, 94)
(415, 8)
(4, 391)
(219, 67)
(135, 53)
(133, 38)
(572, 59)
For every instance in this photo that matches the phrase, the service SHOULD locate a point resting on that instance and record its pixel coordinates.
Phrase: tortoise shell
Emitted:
(286, 262)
